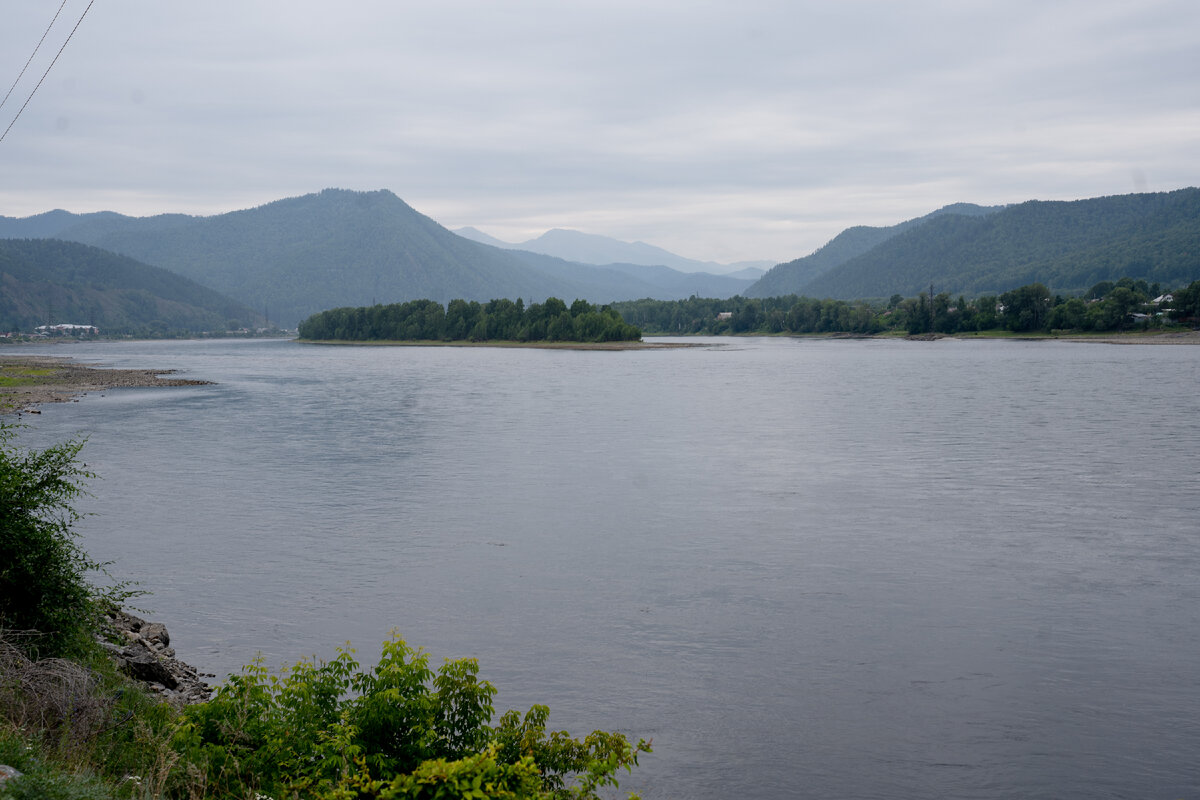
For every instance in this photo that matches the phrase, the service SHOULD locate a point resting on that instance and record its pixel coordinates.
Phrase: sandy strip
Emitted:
(1173, 337)
(26, 381)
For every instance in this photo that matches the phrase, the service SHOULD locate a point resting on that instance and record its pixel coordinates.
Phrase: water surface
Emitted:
(803, 568)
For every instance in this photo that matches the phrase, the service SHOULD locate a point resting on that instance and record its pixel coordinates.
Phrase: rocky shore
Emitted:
(143, 651)
(26, 381)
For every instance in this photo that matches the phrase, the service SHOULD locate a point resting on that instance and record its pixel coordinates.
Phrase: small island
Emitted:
(497, 322)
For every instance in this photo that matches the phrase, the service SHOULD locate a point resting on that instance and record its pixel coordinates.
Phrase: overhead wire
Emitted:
(34, 53)
(47, 72)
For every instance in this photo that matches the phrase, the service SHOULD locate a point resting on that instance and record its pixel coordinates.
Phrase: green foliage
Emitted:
(397, 730)
(43, 585)
(476, 777)
(1067, 246)
(426, 320)
(55, 784)
(1187, 303)
(78, 730)
(558, 756)
(1027, 308)
(71, 282)
(789, 314)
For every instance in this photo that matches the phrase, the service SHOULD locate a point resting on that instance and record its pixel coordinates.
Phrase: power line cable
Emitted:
(47, 72)
(34, 53)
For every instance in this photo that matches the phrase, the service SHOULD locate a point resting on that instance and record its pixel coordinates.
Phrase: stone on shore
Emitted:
(148, 658)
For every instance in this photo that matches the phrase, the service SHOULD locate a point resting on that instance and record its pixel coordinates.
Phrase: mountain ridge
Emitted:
(296, 256)
(591, 248)
(791, 277)
(1067, 245)
(48, 281)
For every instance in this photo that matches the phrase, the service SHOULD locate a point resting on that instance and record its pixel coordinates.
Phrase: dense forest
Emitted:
(1066, 246)
(460, 320)
(45, 281)
(1127, 304)
(301, 255)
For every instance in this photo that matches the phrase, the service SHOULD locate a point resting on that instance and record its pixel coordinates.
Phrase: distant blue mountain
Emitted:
(297, 256)
(588, 248)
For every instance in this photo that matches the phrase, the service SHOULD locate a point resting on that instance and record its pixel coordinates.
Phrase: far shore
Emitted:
(1132, 337)
(629, 345)
(29, 380)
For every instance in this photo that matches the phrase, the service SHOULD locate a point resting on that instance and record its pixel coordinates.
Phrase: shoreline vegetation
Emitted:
(95, 706)
(459, 320)
(27, 381)
(636, 344)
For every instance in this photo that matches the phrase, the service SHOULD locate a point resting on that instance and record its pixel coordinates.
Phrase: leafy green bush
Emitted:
(55, 785)
(398, 730)
(326, 730)
(42, 570)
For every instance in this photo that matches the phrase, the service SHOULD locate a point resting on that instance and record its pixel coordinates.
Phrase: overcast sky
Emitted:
(722, 131)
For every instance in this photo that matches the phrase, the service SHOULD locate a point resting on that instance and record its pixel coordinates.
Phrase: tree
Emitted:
(1026, 308)
(43, 585)
(1187, 302)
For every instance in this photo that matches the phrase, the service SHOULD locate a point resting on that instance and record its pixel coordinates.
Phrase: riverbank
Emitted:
(142, 650)
(542, 345)
(1137, 337)
(26, 381)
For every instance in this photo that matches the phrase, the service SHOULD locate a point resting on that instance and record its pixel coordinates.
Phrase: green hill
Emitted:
(301, 255)
(1068, 246)
(793, 276)
(50, 280)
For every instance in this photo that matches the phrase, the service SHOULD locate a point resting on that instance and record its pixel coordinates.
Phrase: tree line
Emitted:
(1126, 304)
(459, 320)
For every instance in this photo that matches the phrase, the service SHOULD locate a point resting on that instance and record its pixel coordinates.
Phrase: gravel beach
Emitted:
(26, 381)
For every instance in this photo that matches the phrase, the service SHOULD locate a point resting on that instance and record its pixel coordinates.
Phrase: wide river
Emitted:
(812, 569)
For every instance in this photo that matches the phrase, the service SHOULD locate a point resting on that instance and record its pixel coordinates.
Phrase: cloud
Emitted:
(723, 131)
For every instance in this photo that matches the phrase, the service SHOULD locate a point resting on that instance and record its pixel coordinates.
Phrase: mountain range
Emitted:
(588, 248)
(973, 250)
(297, 256)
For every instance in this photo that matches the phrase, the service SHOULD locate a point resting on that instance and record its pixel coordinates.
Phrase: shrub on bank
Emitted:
(398, 730)
(43, 587)
(79, 730)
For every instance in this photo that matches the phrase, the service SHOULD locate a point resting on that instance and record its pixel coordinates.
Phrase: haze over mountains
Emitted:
(297, 256)
(588, 248)
(294, 257)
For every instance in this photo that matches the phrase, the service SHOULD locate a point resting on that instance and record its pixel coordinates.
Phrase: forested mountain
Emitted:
(298, 256)
(53, 281)
(1068, 246)
(301, 255)
(793, 276)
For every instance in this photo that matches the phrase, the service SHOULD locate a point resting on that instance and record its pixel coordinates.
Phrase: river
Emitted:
(804, 568)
